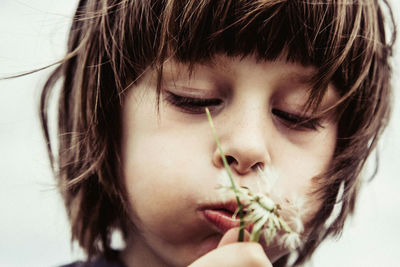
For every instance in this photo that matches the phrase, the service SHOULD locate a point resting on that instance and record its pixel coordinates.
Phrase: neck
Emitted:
(137, 252)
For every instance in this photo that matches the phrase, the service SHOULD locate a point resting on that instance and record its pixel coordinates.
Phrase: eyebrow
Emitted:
(296, 76)
(303, 78)
(212, 64)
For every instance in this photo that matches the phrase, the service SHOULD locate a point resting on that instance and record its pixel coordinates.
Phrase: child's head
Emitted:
(299, 85)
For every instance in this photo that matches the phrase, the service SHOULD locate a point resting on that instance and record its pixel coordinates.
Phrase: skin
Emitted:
(171, 162)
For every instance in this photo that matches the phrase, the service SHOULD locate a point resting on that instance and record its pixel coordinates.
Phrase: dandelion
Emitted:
(262, 212)
(224, 184)
(290, 240)
(268, 177)
(258, 209)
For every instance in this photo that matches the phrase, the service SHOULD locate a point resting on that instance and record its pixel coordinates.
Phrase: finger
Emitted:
(231, 236)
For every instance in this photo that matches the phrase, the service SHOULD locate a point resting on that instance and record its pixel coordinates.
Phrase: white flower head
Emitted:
(224, 186)
(228, 191)
(262, 212)
(223, 181)
(268, 176)
(293, 210)
(290, 240)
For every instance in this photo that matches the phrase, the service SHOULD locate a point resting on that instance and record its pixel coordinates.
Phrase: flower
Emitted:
(265, 215)
(268, 177)
(293, 210)
(290, 240)
(224, 184)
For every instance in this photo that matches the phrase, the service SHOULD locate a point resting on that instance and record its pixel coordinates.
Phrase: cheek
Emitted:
(297, 166)
(164, 175)
(155, 195)
(295, 176)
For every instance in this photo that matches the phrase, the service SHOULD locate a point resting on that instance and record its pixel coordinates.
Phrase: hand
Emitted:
(232, 253)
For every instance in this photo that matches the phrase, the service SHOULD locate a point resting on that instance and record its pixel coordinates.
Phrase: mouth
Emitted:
(221, 216)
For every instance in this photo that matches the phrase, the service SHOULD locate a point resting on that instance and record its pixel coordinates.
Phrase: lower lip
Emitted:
(221, 219)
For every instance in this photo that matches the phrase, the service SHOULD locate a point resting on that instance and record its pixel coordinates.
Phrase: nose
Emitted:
(244, 144)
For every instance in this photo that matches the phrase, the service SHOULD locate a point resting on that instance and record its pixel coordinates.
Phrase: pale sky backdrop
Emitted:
(33, 226)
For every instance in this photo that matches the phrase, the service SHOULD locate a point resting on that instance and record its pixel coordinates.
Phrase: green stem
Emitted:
(228, 170)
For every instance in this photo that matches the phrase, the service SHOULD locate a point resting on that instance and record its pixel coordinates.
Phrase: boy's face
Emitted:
(170, 159)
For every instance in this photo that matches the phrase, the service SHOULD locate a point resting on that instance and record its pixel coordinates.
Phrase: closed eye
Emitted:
(191, 105)
(296, 122)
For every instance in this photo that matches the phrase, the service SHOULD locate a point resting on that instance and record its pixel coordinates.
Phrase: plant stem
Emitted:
(228, 170)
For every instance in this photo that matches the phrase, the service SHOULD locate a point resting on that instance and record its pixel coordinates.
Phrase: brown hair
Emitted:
(111, 43)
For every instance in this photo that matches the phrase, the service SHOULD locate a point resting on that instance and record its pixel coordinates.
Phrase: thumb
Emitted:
(231, 236)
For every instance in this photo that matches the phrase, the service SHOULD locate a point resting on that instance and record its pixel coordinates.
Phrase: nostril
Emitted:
(230, 160)
(257, 166)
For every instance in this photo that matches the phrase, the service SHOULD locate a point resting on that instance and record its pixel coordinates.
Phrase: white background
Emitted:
(33, 226)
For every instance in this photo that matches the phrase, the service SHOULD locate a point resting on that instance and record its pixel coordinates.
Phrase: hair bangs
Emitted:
(341, 39)
(331, 36)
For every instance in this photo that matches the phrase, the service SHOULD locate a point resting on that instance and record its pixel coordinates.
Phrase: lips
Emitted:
(221, 219)
(220, 215)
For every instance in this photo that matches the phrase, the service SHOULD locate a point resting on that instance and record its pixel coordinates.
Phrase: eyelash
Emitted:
(297, 122)
(192, 105)
(197, 105)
